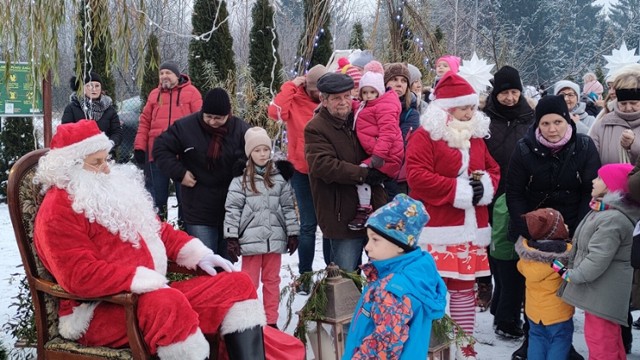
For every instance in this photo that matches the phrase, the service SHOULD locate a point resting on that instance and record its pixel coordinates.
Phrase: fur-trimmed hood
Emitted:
(282, 167)
(527, 252)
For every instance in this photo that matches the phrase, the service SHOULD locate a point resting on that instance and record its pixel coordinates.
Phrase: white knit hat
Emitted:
(563, 84)
(255, 137)
(373, 77)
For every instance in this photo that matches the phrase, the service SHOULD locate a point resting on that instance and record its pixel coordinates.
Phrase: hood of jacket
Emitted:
(527, 252)
(183, 81)
(411, 277)
(623, 203)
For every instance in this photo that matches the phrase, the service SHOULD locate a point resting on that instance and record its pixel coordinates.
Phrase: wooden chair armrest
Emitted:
(179, 269)
(51, 288)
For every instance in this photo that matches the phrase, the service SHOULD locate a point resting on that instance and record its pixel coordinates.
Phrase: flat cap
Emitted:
(334, 83)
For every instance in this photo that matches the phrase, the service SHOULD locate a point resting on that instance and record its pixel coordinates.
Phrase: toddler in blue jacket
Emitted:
(404, 292)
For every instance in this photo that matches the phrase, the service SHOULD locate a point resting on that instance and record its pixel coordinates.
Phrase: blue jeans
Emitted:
(347, 253)
(157, 183)
(210, 236)
(550, 341)
(308, 221)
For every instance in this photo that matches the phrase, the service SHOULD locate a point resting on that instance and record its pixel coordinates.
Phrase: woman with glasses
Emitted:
(570, 90)
(95, 105)
(615, 134)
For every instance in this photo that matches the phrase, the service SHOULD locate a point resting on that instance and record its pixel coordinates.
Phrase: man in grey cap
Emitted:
(295, 105)
(334, 156)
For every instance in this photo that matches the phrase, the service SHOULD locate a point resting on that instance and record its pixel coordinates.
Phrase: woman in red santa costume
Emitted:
(450, 170)
(98, 234)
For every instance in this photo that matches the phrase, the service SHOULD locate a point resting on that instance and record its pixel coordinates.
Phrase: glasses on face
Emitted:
(101, 164)
(567, 95)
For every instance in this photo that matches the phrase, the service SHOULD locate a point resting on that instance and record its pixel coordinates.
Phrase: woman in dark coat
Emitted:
(551, 169)
(551, 166)
(199, 152)
(94, 105)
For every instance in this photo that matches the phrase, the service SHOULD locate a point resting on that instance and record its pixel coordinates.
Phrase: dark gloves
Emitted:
(478, 191)
(559, 267)
(376, 162)
(375, 177)
(233, 249)
(292, 244)
(139, 156)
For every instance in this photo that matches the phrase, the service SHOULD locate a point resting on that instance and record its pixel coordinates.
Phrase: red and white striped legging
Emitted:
(462, 303)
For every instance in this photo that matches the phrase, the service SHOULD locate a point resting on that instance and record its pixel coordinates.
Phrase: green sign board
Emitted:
(18, 96)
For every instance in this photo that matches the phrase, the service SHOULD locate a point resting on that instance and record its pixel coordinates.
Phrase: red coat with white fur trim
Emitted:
(89, 261)
(438, 175)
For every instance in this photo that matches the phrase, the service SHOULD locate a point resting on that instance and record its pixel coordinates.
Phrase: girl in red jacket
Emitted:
(376, 123)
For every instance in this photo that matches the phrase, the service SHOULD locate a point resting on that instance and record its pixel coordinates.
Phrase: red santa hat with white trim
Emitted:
(74, 141)
(453, 91)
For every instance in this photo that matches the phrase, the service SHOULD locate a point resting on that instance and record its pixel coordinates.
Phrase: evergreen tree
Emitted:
(16, 139)
(625, 17)
(215, 48)
(357, 37)
(99, 38)
(266, 67)
(151, 63)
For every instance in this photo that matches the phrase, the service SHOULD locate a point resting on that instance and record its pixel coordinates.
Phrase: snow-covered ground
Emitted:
(490, 346)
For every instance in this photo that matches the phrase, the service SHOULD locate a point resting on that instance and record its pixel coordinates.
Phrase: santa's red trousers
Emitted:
(167, 316)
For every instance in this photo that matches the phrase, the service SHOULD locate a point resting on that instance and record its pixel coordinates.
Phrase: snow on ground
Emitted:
(490, 346)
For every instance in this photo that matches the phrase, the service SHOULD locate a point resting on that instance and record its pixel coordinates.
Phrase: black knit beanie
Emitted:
(552, 104)
(74, 84)
(171, 66)
(216, 102)
(506, 78)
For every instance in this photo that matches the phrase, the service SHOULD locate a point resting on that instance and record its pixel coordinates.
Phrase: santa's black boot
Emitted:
(245, 345)
(241, 330)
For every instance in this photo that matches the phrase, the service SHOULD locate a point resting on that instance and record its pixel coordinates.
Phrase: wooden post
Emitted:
(47, 108)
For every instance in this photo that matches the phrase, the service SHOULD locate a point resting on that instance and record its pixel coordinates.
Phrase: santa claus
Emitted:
(98, 234)
(451, 171)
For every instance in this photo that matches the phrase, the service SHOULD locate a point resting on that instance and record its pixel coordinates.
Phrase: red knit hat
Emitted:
(453, 91)
(345, 67)
(77, 140)
(615, 176)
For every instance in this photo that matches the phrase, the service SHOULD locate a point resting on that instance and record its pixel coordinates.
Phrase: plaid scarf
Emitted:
(597, 204)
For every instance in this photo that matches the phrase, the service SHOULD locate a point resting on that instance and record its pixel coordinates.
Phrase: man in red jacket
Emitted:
(173, 99)
(295, 105)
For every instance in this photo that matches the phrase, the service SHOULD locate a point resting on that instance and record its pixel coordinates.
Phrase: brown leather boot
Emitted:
(483, 297)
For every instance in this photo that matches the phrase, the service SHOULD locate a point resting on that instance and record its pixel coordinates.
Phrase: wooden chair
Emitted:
(24, 198)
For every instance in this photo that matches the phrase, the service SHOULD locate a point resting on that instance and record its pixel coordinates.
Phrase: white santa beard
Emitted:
(118, 201)
(442, 126)
(459, 133)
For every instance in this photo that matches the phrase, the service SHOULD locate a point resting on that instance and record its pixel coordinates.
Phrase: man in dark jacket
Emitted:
(334, 156)
(511, 116)
(199, 152)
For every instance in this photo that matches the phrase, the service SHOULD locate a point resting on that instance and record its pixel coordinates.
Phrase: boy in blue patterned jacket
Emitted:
(404, 291)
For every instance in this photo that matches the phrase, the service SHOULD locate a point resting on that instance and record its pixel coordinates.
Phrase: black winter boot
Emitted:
(574, 355)
(521, 352)
(245, 345)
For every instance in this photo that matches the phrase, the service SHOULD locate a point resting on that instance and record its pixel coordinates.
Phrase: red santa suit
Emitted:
(102, 246)
(439, 168)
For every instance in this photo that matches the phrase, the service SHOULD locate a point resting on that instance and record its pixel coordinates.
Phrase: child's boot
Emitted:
(362, 214)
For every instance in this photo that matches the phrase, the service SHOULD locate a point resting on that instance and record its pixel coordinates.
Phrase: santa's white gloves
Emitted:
(210, 261)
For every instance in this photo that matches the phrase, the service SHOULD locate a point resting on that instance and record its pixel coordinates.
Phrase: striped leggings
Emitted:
(462, 303)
